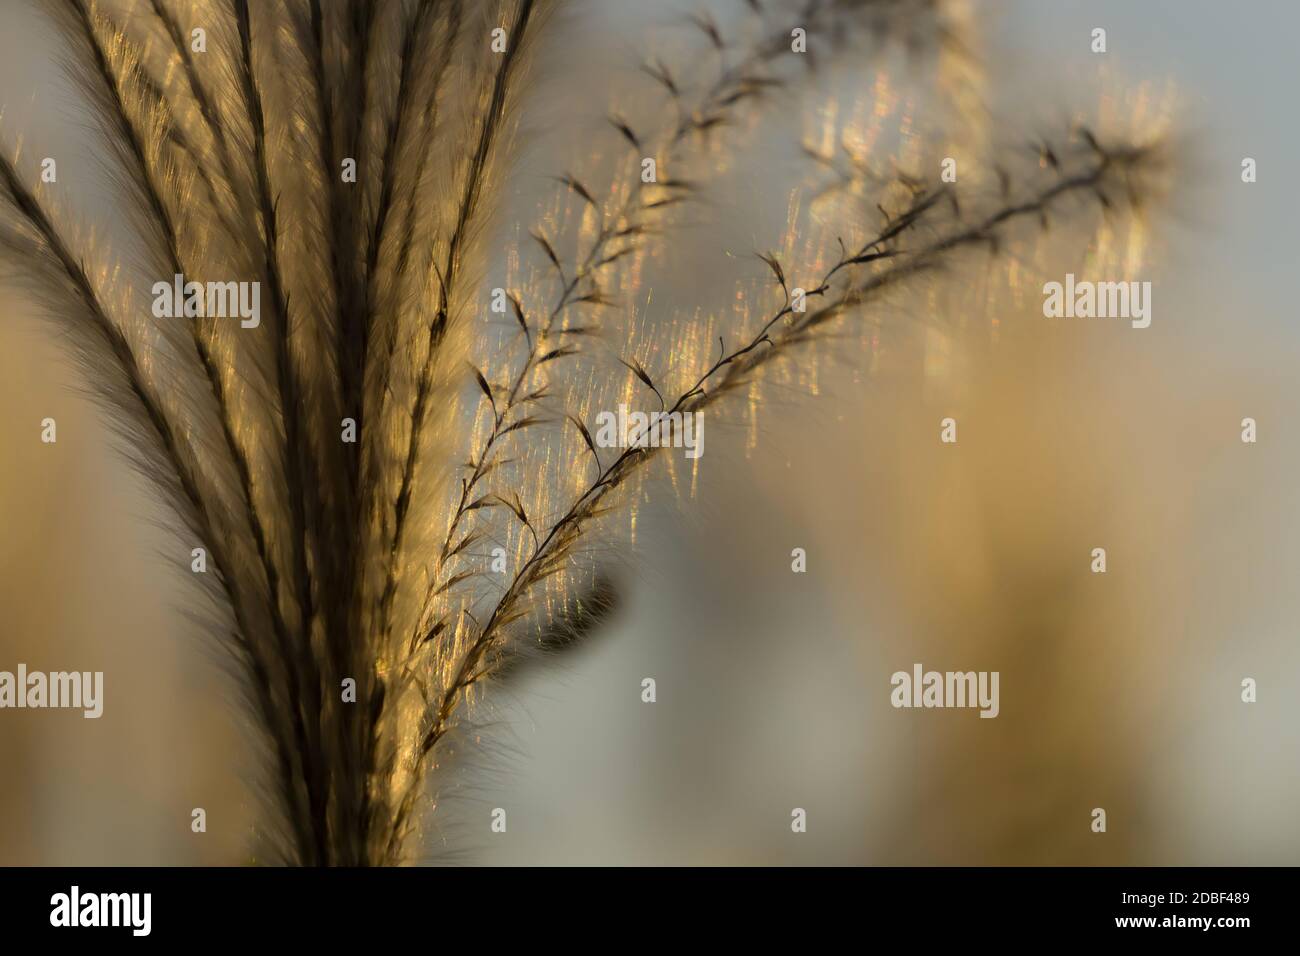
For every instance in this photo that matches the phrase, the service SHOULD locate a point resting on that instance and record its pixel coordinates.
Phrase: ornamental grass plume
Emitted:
(392, 475)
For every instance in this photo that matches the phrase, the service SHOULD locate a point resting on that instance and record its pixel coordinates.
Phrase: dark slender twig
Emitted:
(114, 346)
(297, 457)
(732, 366)
(466, 209)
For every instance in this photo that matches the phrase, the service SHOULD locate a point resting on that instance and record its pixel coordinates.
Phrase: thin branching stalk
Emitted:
(731, 368)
